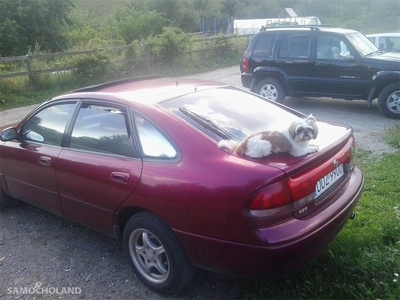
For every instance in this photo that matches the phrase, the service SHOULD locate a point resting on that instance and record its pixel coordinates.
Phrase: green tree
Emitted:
(24, 23)
(131, 23)
(181, 13)
(383, 16)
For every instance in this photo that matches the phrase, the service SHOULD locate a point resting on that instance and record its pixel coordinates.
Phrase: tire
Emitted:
(2, 203)
(6, 200)
(272, 89)
(155, 254)
(389, 101)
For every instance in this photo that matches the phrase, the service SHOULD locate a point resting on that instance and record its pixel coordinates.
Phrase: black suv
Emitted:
(320, 61)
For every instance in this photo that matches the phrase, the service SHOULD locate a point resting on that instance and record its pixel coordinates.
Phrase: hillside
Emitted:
(101, 9)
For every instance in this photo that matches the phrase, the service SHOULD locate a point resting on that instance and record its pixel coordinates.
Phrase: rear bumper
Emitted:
(277, 250)
(246, 79)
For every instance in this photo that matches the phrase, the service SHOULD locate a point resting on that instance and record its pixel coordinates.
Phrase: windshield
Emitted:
(362, 44)
(227, 111)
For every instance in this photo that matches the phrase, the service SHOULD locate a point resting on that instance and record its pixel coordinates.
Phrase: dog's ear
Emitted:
(316, 130)
(310, 119)
(293, 129)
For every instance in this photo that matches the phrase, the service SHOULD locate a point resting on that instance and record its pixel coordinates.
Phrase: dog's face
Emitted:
(305, 130)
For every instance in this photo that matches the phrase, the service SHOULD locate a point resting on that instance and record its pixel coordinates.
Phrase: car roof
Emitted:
(143, 90)
(310, 28)
(387, 34)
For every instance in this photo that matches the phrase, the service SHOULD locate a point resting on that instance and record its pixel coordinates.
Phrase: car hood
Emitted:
(385, 56)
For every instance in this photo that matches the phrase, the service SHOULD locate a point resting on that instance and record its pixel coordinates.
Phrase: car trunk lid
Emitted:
(315, 178)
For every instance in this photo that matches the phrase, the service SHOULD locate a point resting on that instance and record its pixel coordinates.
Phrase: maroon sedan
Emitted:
(139, 160)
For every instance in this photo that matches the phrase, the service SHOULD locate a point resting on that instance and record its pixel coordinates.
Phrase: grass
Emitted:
(26, 98)
(363, 262)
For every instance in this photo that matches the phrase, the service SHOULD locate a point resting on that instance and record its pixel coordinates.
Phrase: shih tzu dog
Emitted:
(294, 141)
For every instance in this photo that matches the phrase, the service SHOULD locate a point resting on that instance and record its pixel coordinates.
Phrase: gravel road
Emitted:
(43, 256)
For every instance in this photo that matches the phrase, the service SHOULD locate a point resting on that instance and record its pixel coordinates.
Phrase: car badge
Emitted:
(335, 163)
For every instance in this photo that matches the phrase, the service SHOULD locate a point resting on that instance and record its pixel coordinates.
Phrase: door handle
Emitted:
(120, 177)
(44, 161)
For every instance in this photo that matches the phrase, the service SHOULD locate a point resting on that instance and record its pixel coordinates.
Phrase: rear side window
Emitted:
(153, 142)
(264, 45)
(101, 129)
(295, 46)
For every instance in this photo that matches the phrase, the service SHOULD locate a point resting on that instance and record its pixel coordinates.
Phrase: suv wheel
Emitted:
(272, 89)
(389, 101)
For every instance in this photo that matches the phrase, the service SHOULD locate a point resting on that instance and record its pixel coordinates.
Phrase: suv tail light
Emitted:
(245, 65)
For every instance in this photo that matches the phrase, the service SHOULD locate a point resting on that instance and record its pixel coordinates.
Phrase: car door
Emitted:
(100, 168)
(29, 163)
(338, 72)
(294, 59)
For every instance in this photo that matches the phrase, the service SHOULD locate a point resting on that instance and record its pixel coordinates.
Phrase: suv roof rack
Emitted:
(97, 87)
(312, 27)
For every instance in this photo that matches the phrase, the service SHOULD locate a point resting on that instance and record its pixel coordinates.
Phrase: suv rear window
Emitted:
(264, 45)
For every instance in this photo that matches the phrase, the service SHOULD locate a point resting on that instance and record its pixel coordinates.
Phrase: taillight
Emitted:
(301, 193)
(303, 186)
(272, 201)
(245, 65)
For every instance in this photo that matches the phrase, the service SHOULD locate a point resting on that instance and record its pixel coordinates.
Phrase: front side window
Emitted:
(101, 128)
(49, 124)
(331, 47)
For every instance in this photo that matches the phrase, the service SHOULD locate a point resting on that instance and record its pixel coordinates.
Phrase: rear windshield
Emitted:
(229, 113)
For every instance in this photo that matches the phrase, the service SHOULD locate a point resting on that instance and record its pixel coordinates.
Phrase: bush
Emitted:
(97, 65)
(133, 51)
(152, 46)
(90, 38)
(223, 47)
(173, 42)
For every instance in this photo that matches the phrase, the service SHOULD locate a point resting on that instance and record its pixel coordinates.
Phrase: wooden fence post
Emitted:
(29, 69)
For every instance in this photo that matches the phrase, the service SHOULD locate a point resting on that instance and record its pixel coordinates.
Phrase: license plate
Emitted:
(328, 180)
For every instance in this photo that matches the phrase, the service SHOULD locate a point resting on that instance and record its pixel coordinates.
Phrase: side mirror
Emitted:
(9, 134)
(34, 136)
(348, 57)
